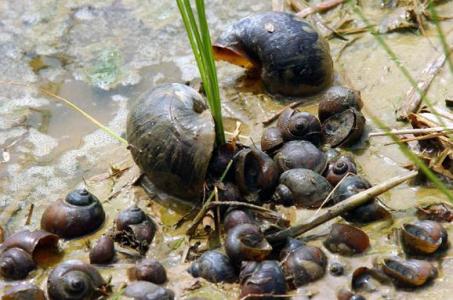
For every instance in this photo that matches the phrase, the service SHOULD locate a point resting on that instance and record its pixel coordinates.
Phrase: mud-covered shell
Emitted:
(144, 290)
(303, 188)
(246, 242)
(346, 240)
(338, 99)
(410, 272)
(171, 135)
(343, 129)
(24, 291)
(214, 267)
(300, 154)
(423, 237)
(294, 59)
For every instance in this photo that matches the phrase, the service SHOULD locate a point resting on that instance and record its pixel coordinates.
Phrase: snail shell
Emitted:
(24, 291)
(148, 270)
(369, 280)
(300, 154)
(80, 213)
(301, 187)
(144, 290)
(103, 252)
(344, 294)
(302, 66)
(214, 267)
(171, 133)
(15, 264)
(271, 140)
(410, 272)
(296, 125)
(343, 129)
(338, 99)
(423, 237)
(246, 242)
(339, 168)
(346, 240)
(236, 217)
(305, 264)
(290, 246)
(264, 278)
(74, 280)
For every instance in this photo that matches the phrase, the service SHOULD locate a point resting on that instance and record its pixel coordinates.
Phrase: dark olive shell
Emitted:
(294, 59)
(80, 213)
(24, 291)
(423, 237)
(303, 188)
(148, 270)
(410, 272)
(339, 168)
(16, 263)
(271, 140)
(296, 125)
(236, 217)
(343, 129)
(346, 240)
(262, 281)
(255, 171)
(300, 154)
(246, 242)
(74, 279)
(290, 246)
(214, 267)
(305, 264)
(145, 290)
(171, 135)
(103, 251)
(338, 99)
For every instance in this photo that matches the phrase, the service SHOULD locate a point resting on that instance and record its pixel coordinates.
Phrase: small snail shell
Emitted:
(301, 187)
(424, 237)
(148, 270)
(339, 168)
(80, 213)
(15, 264)
(214, 267)
(171, 133)
(343, 129)
(290, 246)
(246, 242)
(24, 291)
(346, 240)
(296, 125)
(271, 140)
(410, 272)
(300, 154)
(144, 290)
(103, 252)
(264, 278)
(338, 99)
(236, 217)
(74, 280)
(368, 280)
(304, 265)
(336, 269)
(302, 66)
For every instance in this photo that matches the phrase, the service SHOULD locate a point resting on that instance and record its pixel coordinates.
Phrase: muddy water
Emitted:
(103, 54)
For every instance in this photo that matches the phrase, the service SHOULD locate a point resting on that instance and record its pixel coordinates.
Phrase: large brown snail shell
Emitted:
(410, 272)
(338, 99)
(301, 187)
(297, 125)
(343, 129)
(24, 291)
(262, 280)
(103, 251)
(80, 213)
(214, 267)
(246, 242)
(338, 168)
(171, 135)
(300, 154)
(303, 265)
(236, 217)
(346, 240)
(271, 140)
(423, 237)
(74, 280)
(148, 270)
(144, 290)
(293, 58)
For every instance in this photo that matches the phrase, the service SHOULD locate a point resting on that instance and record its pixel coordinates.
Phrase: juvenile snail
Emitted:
(302, 66)
(214, 267)
(246, 242)
(271, 140)
(296, 125)
(346, 240)
(144, 290)
(148, 270)
(300, 154)
(423, 237)
(339, 168)
(80, 213)
(103, 251)
(338, 99)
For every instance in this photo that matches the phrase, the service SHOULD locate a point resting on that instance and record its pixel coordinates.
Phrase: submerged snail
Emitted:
(80, 213)
(24, 291)
(410, 272)
(75, 280)
(303, 265)
(144, 290)
(171, 135)
(338, 168)
(103, 251)
(236, 217)
(338, 99)
(246, 242)
(293, 58)
(424, 237)
(18, 251)
(300, 154)
(148, 270)
(134, 229)
(214, 267)
(301, 187)
(343, 129)
(297, 125)
(346, 240)
(271, 140)
(262, 280)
